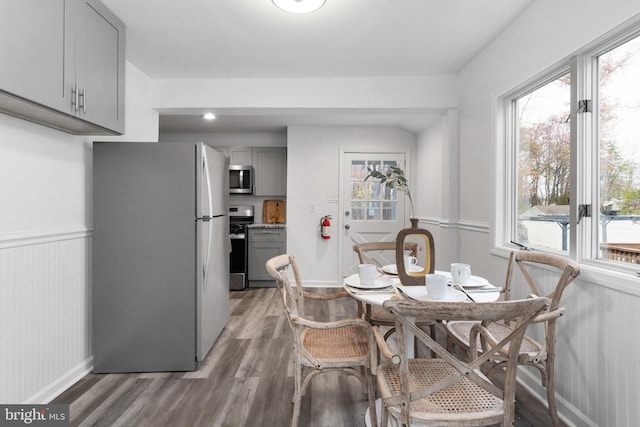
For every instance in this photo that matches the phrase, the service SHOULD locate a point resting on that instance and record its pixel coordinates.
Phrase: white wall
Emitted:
(45, 248)
(238, 139)
(313, 168)
(45, 176)
(373, 92)
(436, 186)
(595, 369)
(44, 235)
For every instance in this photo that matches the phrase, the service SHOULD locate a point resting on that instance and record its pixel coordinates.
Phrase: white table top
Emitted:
(377, 297)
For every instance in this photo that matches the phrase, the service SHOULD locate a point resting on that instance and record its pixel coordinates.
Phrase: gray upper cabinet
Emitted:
(100, 58)
(37, 61)
(270, 164)
(240, 156)
(63, 65)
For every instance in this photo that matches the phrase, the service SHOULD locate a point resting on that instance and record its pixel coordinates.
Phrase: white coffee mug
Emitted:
(460, 273)
(436, 286)
(367, 273)
(410, 262)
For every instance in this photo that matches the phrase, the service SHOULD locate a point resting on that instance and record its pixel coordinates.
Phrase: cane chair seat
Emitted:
(424, 373)
(448, 391)
(336, 347)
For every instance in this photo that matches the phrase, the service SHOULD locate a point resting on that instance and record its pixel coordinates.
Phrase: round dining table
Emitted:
(388, 285)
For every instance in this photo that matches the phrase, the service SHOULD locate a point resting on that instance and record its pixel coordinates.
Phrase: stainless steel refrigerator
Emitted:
(160, 255)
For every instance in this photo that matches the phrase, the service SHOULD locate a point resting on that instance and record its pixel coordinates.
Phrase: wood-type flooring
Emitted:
(246, 380)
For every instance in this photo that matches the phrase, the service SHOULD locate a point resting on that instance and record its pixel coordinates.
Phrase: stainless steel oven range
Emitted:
(239, 218)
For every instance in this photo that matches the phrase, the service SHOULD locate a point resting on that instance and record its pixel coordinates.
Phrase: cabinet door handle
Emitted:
(83, 98)
(74, 98)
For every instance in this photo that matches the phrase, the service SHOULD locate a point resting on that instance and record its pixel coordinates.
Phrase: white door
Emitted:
(372, 212)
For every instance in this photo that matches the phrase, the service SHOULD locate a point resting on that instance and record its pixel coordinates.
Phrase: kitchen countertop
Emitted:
(267, 226)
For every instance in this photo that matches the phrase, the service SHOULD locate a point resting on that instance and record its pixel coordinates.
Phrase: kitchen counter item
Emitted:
(273, 211)
(267, 226)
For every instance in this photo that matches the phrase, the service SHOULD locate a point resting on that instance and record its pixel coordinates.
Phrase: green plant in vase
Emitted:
(393, 177)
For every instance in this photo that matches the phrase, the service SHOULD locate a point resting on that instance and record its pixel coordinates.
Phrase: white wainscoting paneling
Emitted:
(596, 348)
(44, 314)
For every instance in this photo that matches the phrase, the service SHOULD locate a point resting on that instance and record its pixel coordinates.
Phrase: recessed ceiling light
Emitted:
(209, 116)
(299, 6)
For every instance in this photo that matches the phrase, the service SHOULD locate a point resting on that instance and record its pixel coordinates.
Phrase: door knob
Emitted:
(347, 226)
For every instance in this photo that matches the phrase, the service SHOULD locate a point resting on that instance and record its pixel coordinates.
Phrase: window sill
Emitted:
(594, 272)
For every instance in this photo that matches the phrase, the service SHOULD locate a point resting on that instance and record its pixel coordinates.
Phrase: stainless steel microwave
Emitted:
(241, 179)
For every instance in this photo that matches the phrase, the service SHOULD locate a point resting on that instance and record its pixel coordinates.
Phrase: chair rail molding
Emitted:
(37, 237)
(479, 227)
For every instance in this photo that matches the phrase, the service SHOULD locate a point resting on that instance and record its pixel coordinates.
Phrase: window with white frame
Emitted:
(572, 155)
(542, 152)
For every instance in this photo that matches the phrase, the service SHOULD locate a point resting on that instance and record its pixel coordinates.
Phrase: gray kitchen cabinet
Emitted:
(270, 164)
(100, 48)
(264, 243)
(240, 155)
(36, 63)
(62, 65)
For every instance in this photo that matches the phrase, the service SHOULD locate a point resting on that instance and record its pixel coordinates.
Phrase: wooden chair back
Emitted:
(452, 385)
(282, 268)
(568, 268)
(373, 252)
(542, 355)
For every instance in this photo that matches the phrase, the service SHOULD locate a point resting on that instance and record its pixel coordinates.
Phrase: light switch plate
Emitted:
(333, 198)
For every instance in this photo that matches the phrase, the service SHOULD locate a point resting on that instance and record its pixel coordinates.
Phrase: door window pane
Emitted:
(543, 156)
(619, 147)
(370, 200)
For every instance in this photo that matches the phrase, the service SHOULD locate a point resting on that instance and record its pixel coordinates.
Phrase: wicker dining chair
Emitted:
(532, 353)
(447, 390)
(376, 253)
(343, 345)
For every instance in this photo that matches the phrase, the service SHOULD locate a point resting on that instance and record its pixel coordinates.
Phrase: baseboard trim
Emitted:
(567, 413)
(60, 385)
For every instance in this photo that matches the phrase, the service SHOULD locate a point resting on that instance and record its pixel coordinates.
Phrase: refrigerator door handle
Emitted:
(206, 218)
(206, 256)
(206, 177)
(205, 261)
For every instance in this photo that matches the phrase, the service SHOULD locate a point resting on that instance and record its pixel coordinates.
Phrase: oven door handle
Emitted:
(237, 236)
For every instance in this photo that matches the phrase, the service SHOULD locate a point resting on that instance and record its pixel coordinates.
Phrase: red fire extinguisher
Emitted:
(325, 227)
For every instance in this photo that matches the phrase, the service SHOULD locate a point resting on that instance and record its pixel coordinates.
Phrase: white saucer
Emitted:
(475, 282)
(392, 269)
(354, 282)
(420, 293)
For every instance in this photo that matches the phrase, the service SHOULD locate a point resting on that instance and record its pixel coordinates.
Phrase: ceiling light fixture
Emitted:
(209, 116)
(299, 6)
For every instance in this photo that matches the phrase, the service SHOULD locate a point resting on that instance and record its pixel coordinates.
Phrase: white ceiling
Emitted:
(346, 38)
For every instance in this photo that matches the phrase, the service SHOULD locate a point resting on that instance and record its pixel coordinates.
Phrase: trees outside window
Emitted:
(543, 152)
(543, 210)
